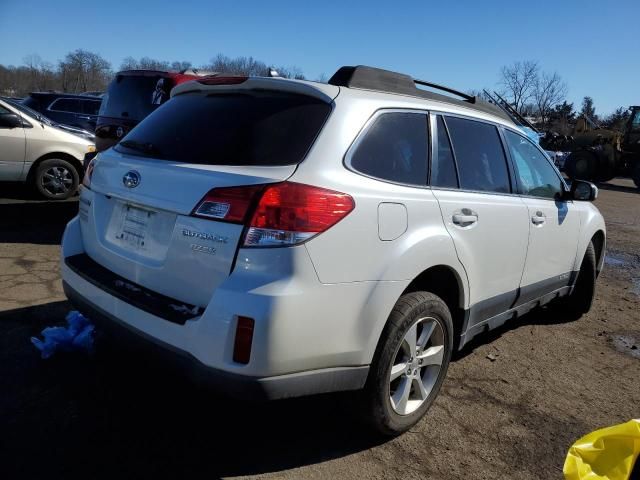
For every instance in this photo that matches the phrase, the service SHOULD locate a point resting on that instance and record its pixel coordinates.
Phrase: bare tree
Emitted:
(549, 90)
(250, 66)
(82, 70)
(519, 82)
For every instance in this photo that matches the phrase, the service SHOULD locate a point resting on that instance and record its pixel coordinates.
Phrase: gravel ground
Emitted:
(117, 414)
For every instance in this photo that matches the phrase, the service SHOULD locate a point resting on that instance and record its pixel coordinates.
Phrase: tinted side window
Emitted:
(66, 105)
(481, 161)
(90, 107)
(536, 175)
(394, 148)
(443, 169)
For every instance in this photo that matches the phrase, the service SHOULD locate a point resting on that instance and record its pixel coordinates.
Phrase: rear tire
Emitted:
(56, 179)
(404, 380)
(581, 299)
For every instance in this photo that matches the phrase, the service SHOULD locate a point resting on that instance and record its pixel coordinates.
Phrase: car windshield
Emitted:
(30, 112)
(257, 128)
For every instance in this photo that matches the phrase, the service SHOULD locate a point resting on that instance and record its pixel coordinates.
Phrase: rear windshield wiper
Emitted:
(142, 147)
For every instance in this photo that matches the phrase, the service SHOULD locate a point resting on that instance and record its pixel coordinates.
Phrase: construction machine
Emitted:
(600, 154)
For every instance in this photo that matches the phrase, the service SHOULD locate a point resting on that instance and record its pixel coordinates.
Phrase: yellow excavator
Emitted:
(600, 154)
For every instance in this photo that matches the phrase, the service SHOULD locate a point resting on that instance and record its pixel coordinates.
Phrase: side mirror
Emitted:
(582, 190)
(10, 120)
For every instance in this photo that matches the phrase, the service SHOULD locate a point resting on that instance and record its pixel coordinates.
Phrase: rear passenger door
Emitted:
(470, 177)
(554, 222)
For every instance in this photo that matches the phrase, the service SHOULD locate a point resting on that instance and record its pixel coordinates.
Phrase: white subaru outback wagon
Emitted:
(290, 238)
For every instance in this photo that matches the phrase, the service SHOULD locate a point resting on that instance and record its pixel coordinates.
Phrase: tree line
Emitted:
(530, 90)
(85, 71)
(542, 95)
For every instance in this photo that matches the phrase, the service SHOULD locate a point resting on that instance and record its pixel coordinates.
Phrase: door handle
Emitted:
(539, 218)
(465, 218)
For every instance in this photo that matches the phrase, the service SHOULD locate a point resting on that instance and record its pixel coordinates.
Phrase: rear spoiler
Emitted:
(321, 91)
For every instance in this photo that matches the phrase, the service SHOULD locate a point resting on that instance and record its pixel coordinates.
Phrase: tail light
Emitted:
(229, 204)
(228, 80)
(86, 180)
(290, 213)
(281, 214)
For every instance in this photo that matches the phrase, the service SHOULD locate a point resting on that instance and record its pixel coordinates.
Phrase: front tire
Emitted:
(56, 179)
(581, 299)
(636, 174)
(410, 363)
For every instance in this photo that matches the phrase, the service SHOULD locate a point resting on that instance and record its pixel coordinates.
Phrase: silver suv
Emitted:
(290, 238)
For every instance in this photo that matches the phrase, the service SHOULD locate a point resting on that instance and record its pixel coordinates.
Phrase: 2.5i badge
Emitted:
(203, 248)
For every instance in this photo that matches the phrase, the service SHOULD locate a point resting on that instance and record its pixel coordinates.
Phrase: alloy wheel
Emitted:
(416, 365)
(56, 180)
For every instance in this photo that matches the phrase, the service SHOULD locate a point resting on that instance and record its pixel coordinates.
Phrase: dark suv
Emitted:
(131, 96)
(79, 111)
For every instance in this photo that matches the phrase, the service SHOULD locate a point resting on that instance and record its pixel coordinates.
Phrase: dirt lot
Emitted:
(116, 415)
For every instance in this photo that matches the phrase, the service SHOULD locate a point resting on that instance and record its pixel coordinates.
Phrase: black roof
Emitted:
(377, 79)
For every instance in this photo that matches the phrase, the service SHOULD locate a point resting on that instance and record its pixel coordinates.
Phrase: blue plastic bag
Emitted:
(76, 336)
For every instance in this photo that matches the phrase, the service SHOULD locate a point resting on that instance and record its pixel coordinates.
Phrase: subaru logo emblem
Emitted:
(119, 132)
(131, 179)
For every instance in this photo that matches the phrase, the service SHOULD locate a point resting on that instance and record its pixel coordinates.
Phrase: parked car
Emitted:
(131, 96)
(36, 151)
(290, 238)
(32, 113)
(79, 111)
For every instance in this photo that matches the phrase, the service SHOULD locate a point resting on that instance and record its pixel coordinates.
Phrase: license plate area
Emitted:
(134, 227)
(140, 231)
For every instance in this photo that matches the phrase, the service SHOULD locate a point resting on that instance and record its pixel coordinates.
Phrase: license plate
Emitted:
(134, 227)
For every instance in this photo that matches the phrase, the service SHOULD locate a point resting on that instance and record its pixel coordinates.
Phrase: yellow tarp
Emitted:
(606, 454)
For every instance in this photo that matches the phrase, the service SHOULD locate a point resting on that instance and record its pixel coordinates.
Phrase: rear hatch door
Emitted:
(140, 224)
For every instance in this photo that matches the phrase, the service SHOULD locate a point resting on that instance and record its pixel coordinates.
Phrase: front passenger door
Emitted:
(554, 223)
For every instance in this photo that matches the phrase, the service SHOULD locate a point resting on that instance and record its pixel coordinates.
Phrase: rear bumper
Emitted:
(233, 384)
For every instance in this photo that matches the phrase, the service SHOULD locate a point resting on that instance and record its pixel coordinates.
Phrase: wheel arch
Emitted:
(598, 239)
(593, 230)
(445, 282)
(77, 164)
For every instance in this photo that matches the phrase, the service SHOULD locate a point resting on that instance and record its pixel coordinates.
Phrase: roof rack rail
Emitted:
(466, 96)
(371, 78)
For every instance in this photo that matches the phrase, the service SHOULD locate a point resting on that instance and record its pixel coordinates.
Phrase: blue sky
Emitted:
(593, 45)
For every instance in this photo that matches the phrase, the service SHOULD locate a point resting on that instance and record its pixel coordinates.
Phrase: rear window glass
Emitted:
(254, 128)
(135, 96)
(482, 164)
(394, 148)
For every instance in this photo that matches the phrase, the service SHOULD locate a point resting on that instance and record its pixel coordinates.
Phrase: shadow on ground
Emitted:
(115, 412)
(547, 315)
(39, 222)
(618, 188)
